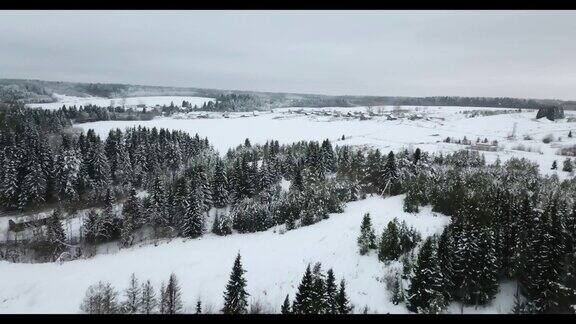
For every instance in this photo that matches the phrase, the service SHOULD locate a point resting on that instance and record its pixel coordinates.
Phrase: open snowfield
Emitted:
(287, 125)
(274, 263)
(127, 102)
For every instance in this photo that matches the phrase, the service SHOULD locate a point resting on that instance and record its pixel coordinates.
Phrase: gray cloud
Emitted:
(412, 53)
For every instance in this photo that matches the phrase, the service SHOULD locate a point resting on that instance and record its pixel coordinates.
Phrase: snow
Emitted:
(129, 101)
(274, 263)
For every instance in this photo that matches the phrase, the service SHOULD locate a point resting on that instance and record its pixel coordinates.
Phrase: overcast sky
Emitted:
(406, 53)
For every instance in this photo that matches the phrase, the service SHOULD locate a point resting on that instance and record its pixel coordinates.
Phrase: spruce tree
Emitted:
(285, 309)
(397, 291)
(486, 260)
(331, 293)
(426, 283)
(411, 203)
(319, 301)
(390, 248)
(390, 174)
(568, 167)
(131, 217)
(55, 232)
(192, 223)
(235, 296)
(220, 194)
(303, 303)
(68, 167)
(344, 306)
(367, 238)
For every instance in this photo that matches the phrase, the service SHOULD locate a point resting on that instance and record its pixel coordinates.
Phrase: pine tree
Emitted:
(406, 267)
(390, 173)
(132, 293)
(486, 260)
(568, 167)
(426, 282)
(367, 238)
(98, 168)
(34, 184)
(390, 248)
(331, 293)
(328, 157)
(411, 203)
(157, 209)
(445, 253)
(220, 185)
(68, 167)
(235, 296)
(172, 299)
(417, 155)
(344, 306)
(397, 292)
(131, 215)
(303, 303)
(10, 185)
(319, 302)
(55, 232)
(148, 301)
(286, 306)
(192, 223)
(222, 225)
(374, 172)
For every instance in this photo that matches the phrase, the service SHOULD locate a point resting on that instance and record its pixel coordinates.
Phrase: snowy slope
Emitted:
(274, 263)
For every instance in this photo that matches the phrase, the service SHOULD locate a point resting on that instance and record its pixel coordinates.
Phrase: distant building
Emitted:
(484, 146)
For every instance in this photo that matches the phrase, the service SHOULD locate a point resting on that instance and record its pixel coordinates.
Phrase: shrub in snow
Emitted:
(548, 139)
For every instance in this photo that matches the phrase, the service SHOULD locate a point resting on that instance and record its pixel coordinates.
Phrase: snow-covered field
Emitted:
(127, 102)
(287, 125)
(274, 263)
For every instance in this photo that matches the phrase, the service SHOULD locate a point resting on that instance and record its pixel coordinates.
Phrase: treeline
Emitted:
(91, 113)
(234, 102)
(44, 162)
(348, 101)
(318, 293)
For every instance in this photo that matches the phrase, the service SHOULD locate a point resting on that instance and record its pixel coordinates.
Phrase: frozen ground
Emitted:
(288, 125)
(127, 102)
